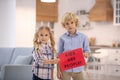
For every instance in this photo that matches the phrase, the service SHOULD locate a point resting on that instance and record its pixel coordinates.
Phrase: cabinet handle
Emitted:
(116, 59)
(117, 70)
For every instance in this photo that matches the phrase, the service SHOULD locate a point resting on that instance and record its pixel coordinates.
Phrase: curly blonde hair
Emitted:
(68, 16)
(37, 43)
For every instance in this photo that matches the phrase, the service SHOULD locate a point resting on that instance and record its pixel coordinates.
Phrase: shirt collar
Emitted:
(68, 34)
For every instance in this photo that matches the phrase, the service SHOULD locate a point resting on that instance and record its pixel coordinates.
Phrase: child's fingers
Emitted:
(59, 76)
(86, 55)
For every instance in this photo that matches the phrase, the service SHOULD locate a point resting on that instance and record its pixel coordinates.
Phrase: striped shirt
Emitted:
(39, 69)
(67, 42)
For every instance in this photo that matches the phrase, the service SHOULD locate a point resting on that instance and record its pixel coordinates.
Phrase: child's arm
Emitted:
(60, 49)
(60, 46)
(37, 57)
(86, 48)
(40, 60)
(53, 61)
(59, 74)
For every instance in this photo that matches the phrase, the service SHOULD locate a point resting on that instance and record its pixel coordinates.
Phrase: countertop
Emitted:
(104, 46)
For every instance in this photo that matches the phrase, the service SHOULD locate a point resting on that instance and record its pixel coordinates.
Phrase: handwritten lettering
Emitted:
(71, 59)
(70, 54)
(74, 64)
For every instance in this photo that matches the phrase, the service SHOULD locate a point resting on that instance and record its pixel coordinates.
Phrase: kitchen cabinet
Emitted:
(104, 64)
(116, 4)
(114, 56)
(114, 70)
(101, 11)
(47, 12)
(114, 62)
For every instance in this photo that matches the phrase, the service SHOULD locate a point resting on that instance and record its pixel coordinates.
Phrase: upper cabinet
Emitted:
(47, 12)
(116, 12)
(101, 11)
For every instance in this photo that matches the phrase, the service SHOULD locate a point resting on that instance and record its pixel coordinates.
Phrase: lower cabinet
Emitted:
(113, 70)
(103, 68)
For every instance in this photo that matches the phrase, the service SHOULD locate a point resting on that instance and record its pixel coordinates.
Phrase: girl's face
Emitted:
(44, 36)
(70, 26)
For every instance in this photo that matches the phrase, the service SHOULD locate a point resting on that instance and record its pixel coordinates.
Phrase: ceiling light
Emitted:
(50, 1)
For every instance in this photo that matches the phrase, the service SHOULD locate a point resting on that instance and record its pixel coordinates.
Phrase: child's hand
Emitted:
(86, 55)
(47, 61)
(55, 61)
(59, 74)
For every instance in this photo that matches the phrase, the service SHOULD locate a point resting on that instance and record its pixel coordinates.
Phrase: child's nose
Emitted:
(43, 37)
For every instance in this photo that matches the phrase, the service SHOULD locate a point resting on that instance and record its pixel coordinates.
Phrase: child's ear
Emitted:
(64, 25)
(77, 23)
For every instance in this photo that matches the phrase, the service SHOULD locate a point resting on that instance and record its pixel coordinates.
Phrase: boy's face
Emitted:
(70, 26)
(44, 36)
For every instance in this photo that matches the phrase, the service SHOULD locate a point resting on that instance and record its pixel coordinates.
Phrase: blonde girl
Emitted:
(43, 54)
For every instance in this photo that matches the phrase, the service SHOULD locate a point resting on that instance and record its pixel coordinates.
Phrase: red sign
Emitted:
(71, 59)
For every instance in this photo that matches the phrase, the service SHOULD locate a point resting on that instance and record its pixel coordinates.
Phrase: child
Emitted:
(43, 54)
(70, 40)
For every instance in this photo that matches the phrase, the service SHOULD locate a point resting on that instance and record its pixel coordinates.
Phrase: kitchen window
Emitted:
(116, 6)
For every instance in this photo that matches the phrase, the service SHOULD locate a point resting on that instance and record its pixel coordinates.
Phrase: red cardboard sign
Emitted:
(71, 59)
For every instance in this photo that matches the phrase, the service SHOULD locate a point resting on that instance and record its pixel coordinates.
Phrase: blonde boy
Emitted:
(70, 40)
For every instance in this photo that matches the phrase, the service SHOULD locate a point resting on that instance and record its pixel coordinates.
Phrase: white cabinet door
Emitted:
(113, 70)
(114, 56)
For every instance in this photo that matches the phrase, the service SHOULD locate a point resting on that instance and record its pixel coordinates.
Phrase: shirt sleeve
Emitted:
(38, 58)
(60, 47)
(86, 47)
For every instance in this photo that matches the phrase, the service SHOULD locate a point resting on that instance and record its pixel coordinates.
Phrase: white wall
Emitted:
(104, 32)
(17, 23)
(25, 22)
(7, 23)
